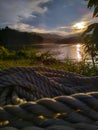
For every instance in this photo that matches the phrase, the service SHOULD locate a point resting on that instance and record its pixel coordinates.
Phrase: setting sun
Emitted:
(79, 26)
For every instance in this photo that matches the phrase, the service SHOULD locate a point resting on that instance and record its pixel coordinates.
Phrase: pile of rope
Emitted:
(41, 98)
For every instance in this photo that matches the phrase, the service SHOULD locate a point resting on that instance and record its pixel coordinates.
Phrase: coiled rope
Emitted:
(47, 99)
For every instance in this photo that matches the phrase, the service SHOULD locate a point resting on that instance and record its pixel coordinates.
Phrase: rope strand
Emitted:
(47, 99)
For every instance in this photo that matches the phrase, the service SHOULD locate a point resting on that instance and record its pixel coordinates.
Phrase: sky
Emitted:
(65, 17)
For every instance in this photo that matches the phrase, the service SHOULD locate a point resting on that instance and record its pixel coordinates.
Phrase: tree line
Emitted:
(13, 39)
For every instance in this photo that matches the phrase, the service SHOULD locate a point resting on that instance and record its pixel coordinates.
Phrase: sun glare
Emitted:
(78, 48)
(79, 26)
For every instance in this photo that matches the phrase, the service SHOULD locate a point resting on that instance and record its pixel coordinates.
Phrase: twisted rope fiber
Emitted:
(75, 108)
(19, 86)
(60, 83)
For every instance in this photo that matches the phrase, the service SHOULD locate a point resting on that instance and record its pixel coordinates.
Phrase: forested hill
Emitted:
(11, 38)
(14, 39)
(70, 40)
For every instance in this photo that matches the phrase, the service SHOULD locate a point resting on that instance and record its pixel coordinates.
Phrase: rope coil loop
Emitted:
(47, 99)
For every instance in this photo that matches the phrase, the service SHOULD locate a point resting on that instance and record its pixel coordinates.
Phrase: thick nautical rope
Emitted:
(38, 82)
(78, 126)
(20, 89)
(75, 108)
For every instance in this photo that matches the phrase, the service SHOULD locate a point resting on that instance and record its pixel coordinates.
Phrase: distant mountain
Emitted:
(54, 38)
(50, 37)
(14, 39)
(70, 40)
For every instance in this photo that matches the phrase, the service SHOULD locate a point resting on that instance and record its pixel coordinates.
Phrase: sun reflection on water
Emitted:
(78, 52)
(63, 51)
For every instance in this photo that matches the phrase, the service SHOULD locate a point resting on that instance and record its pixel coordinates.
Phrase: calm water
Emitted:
(62, 51)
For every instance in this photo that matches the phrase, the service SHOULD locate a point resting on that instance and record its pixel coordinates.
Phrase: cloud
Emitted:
(63, 27)
(13, 11)
(66, 29)
(87, 19)
(22, 27)
(69, 30)
(45, 16)
(29, 28)
(62, 30)
(83, 11)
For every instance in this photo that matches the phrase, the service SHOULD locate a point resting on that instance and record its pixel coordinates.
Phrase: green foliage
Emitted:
(90, 36)
(92, 33)
(3, 52)
(81, 67)
(93, 3)
(30, 57)
(45, 56)
(90, 47)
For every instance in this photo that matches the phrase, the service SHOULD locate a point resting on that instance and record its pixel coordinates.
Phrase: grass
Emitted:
(68, 65)
(30, 58)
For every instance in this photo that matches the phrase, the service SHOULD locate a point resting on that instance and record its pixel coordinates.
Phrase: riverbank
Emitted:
(69, 65)
(31, 57)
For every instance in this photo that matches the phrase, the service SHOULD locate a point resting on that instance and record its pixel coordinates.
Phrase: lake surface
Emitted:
(62, 51)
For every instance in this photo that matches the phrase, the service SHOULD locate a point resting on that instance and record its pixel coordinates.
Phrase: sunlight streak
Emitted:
(78, 49)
